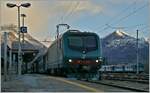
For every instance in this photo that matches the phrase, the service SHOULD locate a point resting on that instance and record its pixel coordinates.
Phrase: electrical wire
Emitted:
(72, 11)
(63, 15)
(135, 11)
(118, 14)
(132, 13)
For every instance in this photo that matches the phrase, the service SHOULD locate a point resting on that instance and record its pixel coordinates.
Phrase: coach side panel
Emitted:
(54, 56)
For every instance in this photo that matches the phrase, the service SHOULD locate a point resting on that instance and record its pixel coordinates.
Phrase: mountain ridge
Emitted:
(119, 47)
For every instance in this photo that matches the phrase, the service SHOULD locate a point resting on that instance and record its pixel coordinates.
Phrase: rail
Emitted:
(119, 86)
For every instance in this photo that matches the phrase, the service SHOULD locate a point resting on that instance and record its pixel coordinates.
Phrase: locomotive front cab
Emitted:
(82, 51)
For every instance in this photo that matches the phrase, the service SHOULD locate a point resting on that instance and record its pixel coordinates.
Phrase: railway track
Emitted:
(132, 80)
(118, 86)
(127, 77)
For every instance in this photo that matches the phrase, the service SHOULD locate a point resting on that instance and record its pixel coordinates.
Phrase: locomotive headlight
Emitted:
(97, 61)
(70, 60)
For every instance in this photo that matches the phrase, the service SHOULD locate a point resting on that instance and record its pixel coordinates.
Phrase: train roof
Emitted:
(77, 32)
(69, 32)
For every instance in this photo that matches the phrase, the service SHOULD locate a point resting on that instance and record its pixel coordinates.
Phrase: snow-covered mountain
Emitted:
(119, 47)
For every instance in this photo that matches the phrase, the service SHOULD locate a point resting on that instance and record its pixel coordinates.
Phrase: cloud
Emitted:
(43, 15)
(90, 7)
(118, 2)
(82, 6)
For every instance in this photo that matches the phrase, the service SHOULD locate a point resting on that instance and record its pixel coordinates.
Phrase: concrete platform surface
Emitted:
(42, 83)
(45, 83)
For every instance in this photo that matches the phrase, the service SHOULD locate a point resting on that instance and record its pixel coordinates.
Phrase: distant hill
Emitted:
(119, 47)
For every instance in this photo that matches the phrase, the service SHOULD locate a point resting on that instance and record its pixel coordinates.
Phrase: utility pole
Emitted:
(23, 16)
(5, 56)
(149, 54)
(10, 63)
(57, 31)
(137, 53)
(101, 48)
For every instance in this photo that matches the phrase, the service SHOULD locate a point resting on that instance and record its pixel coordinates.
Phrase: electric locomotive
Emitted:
(74, 53)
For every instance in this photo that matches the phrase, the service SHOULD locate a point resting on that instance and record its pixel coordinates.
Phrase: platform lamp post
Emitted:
(23, 16)
(23, 22)
(26, 5)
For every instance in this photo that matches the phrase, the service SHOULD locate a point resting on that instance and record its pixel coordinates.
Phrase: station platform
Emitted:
(47, 83)
(41, 83)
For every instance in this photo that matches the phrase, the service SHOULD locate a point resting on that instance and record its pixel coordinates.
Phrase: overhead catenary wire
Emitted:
(63, 16)
(72, 11)
(67, 11)
(144, 28)
(125, 27)
(105, 27)
(130, 14)
(118, 14)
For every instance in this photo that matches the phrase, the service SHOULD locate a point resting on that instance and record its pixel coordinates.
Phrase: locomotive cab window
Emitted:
(90, 42)
(75, 41)
(85, 42)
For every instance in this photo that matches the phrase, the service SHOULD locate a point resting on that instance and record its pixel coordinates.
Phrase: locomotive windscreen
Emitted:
(86, 42)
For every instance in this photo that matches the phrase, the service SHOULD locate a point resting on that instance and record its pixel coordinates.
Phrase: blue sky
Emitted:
(84, 15)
